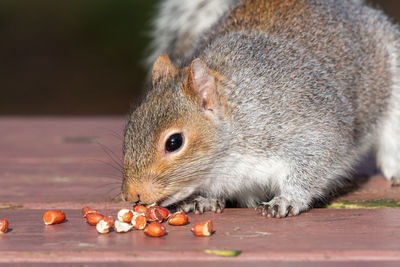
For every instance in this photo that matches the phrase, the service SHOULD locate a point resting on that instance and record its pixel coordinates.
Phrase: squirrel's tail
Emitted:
(178, 25)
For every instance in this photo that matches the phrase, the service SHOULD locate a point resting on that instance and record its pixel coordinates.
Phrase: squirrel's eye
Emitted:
(174, 142)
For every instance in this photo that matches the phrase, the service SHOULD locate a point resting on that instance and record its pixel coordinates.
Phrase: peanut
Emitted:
(164, 212)
(53, 217)
(3, 226)
(178, 218)
(125, 215)
(153, 214)
(154, 229)
(94, 218)
(104, 226)
(203, 228)
(140, 209)
(87, 210)
(139, 221)
(122, 227)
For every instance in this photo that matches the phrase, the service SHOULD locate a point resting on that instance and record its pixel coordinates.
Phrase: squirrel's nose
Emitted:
(130, 193)
(146, 192)
(132, 197)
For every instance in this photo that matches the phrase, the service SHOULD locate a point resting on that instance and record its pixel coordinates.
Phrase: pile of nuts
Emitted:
(149, 219)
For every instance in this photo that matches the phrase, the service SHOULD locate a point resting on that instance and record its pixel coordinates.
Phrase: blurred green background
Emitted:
(78, 57)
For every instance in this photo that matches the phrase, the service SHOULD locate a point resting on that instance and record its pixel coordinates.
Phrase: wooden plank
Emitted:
(319, 235)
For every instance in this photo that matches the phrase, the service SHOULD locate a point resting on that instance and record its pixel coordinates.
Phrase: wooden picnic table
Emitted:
(67, 163)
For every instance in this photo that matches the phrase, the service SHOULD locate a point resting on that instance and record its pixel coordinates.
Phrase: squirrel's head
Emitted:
(172, 137)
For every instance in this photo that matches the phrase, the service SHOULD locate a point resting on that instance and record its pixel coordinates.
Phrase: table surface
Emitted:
(67, 163)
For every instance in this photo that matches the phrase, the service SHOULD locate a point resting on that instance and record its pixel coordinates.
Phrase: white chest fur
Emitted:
(247, 179)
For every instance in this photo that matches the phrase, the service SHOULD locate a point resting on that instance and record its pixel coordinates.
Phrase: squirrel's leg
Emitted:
(388, 150)
(388, 145)
(291, 201)
(200, 204)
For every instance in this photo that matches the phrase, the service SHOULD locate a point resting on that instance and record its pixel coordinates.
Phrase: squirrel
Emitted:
(272, 106)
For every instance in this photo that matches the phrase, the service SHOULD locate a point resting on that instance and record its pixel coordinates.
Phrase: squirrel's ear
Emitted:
(162, 67)
(201, 85)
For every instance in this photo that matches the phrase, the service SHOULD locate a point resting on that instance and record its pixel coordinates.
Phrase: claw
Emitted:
(262, 210)
(201, 209)
(196, 208)
(201, 204)
(290, 211)
(279, 207)
(218, 208)
(395, 181)
(269, 211)
(276, 211)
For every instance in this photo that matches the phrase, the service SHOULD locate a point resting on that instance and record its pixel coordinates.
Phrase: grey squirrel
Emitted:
(270, 104)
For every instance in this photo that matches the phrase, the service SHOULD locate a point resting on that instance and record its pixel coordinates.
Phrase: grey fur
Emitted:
(178, 25)
(307, 98)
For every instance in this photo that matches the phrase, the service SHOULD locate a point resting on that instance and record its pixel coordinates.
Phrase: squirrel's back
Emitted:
(342, 45)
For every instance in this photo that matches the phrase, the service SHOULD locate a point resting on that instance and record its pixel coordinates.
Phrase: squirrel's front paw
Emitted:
(201, 204)
(280, 207)
(395, 181)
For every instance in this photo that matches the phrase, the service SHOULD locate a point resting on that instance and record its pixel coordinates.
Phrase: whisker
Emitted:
(106, 163)
(115, 178)
(110, 153)
(110, 186)
(112, 173)
(91, 161)
(107, 184)
(100, 189)
(109, 164)
(115, 188)
(119, 195)
(112, 132)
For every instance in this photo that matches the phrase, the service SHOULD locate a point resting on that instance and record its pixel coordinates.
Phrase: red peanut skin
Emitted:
(154, 229)
(178, 219)
(87, 210)
(154, 215)
(3, 226)
(164, 212)
(53, 217)
(94, 218)
(203, 228)
(140, 209)
(142, 222)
